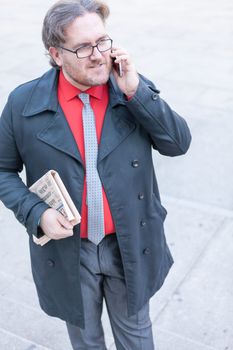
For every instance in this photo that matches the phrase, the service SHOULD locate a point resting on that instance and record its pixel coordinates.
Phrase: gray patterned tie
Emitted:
(94, 186)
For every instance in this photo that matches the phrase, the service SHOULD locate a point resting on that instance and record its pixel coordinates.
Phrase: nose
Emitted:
(96, 53)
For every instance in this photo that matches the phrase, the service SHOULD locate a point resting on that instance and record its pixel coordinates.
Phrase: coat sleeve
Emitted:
(169, 132)
(14, 194)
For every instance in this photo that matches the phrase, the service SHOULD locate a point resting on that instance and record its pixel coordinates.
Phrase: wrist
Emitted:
(130, 93)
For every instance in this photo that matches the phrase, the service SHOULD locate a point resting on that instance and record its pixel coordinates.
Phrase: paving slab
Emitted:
(19, 290)
(201, 309)
(189, 231)
(20, 300)
(14, 248)
(165, 340)
(9, 341)
(33, 326)
(202, 174)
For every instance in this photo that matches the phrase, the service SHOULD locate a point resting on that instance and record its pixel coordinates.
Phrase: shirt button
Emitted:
(140, 196)
(154, 96)
(146, 251)
(135, 163)
(50, 263)
(143, 223)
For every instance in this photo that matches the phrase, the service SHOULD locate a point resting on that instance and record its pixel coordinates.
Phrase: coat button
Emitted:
(140, 196)
(51, 263)
(135, 163)
(154, 96)
(143, 223)
(146, 251)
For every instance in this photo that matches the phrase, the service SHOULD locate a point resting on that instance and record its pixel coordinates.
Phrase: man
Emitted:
(119, 251)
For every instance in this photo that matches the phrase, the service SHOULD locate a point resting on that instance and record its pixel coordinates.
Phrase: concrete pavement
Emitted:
(185, 47)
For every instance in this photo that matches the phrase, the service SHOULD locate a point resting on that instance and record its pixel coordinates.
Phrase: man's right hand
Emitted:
(55, 225)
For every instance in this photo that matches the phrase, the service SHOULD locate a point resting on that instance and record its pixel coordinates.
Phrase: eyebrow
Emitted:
(89, 43)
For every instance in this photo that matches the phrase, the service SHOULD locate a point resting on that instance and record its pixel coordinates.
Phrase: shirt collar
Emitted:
(69, 91)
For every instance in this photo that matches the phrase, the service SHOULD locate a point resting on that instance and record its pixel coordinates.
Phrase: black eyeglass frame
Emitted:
(92, 46)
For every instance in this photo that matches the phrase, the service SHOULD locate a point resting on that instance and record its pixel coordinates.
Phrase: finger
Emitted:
(73, 222)
(118, 50)
(61, 233)
(65, 233)
(64, 222)
(119, 53)
(122, 58)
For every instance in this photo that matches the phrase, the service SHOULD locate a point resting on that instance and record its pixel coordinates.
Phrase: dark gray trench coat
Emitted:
(34, 132)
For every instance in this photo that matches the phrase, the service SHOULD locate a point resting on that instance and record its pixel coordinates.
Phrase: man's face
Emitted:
(90, 71)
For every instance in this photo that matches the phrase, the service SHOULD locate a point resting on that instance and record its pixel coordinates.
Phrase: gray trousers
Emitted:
(102, 276)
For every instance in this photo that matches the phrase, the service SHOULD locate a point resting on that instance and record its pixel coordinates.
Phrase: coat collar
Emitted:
(44, 98)
(45, 91)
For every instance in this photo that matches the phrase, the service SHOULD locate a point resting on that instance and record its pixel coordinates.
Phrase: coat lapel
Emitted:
(116, 127)
(58, 135)
(115, 130)
(43, 100)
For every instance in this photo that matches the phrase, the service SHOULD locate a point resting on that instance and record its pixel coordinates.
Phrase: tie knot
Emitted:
(85, 98)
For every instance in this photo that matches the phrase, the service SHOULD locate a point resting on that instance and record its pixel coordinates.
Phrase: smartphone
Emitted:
(118, 68)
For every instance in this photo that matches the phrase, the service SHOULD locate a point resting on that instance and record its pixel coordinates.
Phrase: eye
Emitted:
(83, 46)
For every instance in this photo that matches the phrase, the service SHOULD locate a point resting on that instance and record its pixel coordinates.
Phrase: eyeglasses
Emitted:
(87, 50)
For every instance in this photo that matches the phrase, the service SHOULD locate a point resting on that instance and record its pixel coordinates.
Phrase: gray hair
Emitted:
(62, 14)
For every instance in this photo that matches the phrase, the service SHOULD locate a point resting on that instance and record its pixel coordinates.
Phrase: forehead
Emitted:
(86, 28)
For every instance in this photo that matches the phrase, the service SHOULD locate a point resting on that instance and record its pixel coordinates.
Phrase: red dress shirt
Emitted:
(72, 108)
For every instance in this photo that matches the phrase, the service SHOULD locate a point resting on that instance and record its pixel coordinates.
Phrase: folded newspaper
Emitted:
(52, 191)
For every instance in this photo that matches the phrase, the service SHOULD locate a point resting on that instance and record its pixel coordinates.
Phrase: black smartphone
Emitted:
(118, 68)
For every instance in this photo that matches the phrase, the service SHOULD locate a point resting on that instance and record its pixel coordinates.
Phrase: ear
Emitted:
(56, 55)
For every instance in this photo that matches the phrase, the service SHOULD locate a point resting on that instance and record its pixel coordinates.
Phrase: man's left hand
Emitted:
(128, 83)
